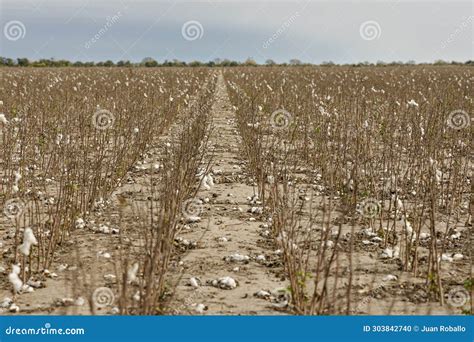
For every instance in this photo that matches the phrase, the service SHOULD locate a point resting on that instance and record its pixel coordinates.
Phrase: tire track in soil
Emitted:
(226, 216)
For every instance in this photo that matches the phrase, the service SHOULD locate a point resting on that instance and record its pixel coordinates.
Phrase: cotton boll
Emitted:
(24, 249)
(132, 273)
(29, 240)
(210, 180)
(227, 283)
(30, 237)
(262, 294)
(59, 138)
(389, 253)
(15, 279)
(80, 224)
(17, 177)
(446, 257)
(455, 236)
(200, 308)
(194, 282)
(14, 308)
(390, 277)
(237, 258)
(424, 236)
(3, 119)
(6, 302)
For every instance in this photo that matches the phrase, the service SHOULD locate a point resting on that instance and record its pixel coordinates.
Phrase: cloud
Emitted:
(322, 30)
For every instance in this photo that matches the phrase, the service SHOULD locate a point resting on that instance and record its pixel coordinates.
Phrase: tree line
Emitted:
(150, 63)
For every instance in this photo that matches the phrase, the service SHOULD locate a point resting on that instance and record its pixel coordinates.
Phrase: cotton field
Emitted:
(239, 190)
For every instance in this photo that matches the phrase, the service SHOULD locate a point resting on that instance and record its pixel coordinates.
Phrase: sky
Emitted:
(311, 31)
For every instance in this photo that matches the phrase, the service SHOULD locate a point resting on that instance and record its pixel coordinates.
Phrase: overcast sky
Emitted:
(312, 31)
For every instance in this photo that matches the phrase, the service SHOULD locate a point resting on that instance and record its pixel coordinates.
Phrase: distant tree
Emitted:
(270, 62)
(23, 62)
(330, 63)
(195, 64)
(295, 61)
(250, 62)
(149, 62)
(124, 63)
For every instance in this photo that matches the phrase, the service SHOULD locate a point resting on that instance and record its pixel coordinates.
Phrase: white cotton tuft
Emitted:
(3, 119)
(17, 177)
(30, 237)
(80, 224)
(132, 273)
(29, 240)
(15, 279)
